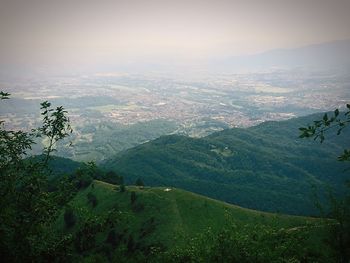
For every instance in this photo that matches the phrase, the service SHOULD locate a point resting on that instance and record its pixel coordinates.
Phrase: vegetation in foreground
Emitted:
(171, 225)
(91, 221)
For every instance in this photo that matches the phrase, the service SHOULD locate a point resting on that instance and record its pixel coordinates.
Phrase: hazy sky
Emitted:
(98, 30)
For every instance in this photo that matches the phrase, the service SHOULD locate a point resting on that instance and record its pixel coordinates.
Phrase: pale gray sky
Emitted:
(98, 30)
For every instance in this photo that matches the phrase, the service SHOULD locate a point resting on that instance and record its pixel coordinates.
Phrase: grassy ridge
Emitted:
(177, 213)
(163, 219)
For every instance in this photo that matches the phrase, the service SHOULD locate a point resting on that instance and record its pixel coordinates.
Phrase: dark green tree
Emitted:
(69, 217)
(85, 238)
(92, 199)
(112, 238)
(139, 182)
(113, 178)
(83, 177)
(130, 244)
(132, 197)
(27, 207)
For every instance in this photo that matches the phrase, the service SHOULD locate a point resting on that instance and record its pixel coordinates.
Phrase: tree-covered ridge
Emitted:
(99, 141)
(265, 167)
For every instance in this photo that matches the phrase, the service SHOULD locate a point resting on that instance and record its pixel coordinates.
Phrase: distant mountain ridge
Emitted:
(265, 167)
(324, 56)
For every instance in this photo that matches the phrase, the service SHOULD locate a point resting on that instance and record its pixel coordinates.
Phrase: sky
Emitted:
(103, 31)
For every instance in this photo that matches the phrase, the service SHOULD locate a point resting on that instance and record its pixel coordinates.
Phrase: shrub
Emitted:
(139, 182)
(133, 197)
(69, 217)
(92, 199)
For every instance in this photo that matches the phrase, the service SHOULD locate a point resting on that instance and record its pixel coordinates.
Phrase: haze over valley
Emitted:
(175, 131)
(190, 103)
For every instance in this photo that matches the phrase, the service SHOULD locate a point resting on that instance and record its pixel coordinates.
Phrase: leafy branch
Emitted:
(319, 128)
(13, 144)
(4, 95)
(56, 126)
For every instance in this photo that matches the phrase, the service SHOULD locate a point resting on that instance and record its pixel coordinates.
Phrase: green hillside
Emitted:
(58, 165)
(96, 142)
(159, 219)
(266, 167)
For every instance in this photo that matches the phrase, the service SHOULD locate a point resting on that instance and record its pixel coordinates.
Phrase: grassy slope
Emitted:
(177, 214)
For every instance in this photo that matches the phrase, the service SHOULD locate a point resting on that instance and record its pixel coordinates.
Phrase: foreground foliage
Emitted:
(339, 207)
(27, 207)
(259, 244)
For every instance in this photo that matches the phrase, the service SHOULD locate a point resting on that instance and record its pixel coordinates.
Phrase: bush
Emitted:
(137, 207)
(85, 238)
(259, 244)
(113, 178)
(133, 197)
(69, 217)
(130, 244)
(113, 238)
(92, 199)
(139, 182)
(82, 179)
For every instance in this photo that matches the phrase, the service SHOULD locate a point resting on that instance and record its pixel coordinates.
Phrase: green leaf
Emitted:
(325, 117)
(4, 95)
(336, 113)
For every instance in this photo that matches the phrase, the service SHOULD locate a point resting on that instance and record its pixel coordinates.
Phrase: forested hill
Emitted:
(266, 167)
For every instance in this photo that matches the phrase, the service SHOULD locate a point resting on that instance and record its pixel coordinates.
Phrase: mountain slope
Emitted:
(266, 167)
(160, 217)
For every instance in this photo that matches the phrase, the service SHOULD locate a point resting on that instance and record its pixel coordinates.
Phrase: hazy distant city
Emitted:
(113, 110)
(228, 100)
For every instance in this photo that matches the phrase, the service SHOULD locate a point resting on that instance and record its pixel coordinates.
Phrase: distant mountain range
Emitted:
(266, 167)
(333, 55)
(325, 56)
